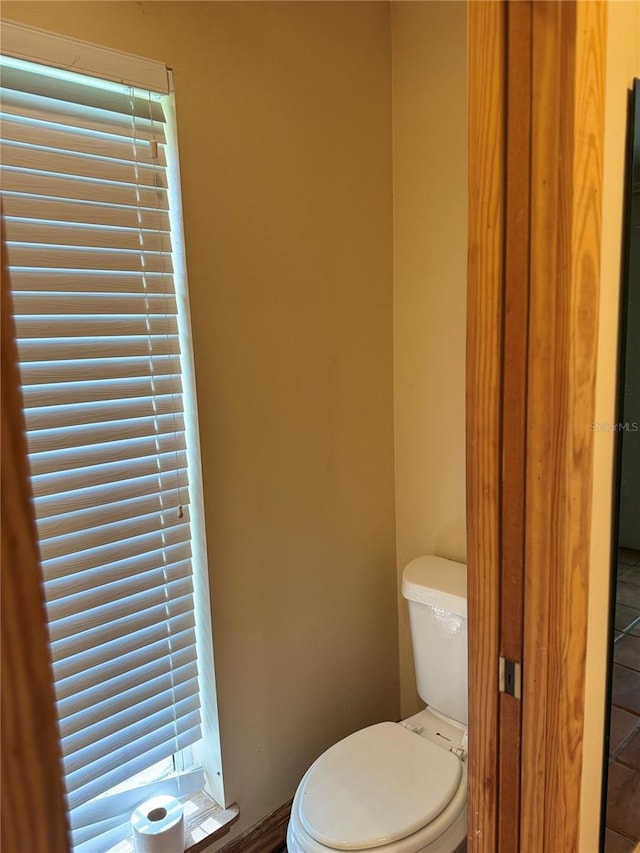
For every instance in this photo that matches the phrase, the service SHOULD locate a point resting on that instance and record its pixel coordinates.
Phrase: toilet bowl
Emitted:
(389, 788)
(401, 787)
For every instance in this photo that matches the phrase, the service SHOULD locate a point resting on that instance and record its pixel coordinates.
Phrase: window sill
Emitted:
(204, 822)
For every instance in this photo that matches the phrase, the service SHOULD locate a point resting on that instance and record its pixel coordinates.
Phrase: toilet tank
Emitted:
(436, 592)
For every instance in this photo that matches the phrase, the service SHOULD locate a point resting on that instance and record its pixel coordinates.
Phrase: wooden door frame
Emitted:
(485, 309)
(557, 155)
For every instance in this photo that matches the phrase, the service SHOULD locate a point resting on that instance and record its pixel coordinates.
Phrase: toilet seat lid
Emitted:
(376, 786)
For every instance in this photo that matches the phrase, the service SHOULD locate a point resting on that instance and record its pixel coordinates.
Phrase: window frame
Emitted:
(44, 48)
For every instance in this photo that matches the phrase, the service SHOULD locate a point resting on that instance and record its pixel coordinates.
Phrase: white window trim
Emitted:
(212, 762)
(36, 45)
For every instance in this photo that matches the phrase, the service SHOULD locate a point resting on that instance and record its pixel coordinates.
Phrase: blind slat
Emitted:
(23, 130)
(123, 674)
(117, 348)
(111, 533)
(114, 770)
(148, 560)
(42, 232)
(67, 371)
(153, 633)
(119, 396)
(117, 671)
(103, 516)
(42, 185)
(103, 708)
(91, 305)
(67, 596)
(92, 327)
(81, 90)
(71, 258)
(102, 740)
(108, 472)
(84, 212)
(15, 103)
(145, 623)
(115, 451)
(36, 158)
(51, 506)
(137, 554)
(81, 435)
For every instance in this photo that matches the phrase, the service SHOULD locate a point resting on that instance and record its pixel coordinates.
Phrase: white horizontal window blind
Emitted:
(87, 225)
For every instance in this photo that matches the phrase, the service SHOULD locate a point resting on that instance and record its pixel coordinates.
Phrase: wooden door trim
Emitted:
(542, 419)
(566, 189)
(486, 163)
(514, 400)
(566, 103)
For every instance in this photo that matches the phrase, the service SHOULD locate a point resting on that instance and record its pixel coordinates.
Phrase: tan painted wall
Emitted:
(285, 143)
(623, 63)
(429, 60)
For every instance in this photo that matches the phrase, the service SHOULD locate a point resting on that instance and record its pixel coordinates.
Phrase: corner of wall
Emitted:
(429, 149)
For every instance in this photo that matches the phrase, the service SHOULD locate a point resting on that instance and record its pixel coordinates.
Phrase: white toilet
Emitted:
(401, 787)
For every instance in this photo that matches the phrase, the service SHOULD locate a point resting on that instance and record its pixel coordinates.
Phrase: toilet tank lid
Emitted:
(437, 582)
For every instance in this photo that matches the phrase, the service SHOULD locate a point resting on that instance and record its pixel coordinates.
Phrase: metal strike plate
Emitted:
(510, 677)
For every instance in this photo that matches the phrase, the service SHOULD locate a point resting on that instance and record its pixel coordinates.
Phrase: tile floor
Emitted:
(623, 799)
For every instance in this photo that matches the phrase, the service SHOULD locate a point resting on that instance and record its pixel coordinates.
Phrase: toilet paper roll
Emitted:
(158, 826)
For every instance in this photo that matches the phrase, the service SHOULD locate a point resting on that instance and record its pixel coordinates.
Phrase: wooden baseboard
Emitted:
(266, 836)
